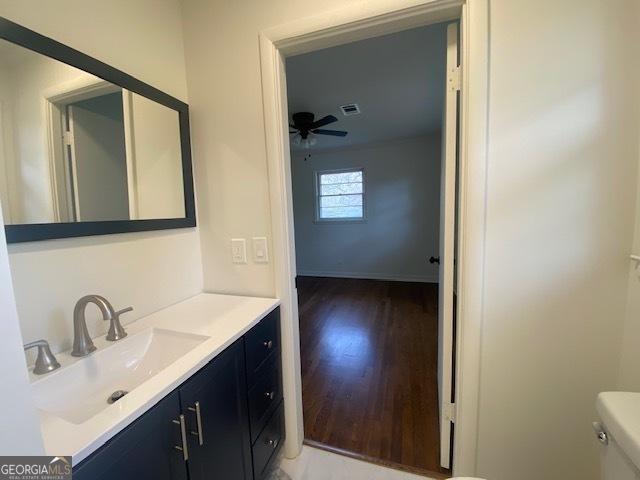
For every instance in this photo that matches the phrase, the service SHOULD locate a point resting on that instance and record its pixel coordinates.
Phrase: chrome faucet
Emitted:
(45, 362)
(82, 343)
(116, 330)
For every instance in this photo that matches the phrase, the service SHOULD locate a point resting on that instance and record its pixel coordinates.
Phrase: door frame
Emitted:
(54, 101)
(357, 22)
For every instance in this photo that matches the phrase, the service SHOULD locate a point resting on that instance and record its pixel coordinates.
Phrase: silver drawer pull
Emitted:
(183, 435)
(272, 443)
(268, 344)
(198, 433)
(270, 395)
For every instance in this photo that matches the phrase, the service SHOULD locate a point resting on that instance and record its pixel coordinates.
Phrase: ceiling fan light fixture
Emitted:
(306, 143)
(306, 128)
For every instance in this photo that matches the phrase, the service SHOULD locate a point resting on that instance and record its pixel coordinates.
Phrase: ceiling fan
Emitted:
(304, 124)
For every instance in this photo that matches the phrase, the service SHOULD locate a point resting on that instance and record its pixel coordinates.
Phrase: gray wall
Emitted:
(101, 163)
(402, 185)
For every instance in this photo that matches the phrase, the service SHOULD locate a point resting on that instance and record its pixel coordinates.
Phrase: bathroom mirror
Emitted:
(86, 149)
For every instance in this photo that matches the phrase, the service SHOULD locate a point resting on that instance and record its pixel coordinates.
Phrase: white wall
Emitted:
(630, 360)
(20, 427)
(221, 45)
(402, 197)
(6, 143)
(563, 148)
(561, 190)
(28, 79)
(147, 270)
(629, 376)
(159, 189)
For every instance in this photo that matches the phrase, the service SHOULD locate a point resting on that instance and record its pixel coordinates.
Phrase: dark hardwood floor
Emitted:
(369, 369)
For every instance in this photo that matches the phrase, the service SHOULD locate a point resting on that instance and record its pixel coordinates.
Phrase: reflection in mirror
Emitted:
(75, 148)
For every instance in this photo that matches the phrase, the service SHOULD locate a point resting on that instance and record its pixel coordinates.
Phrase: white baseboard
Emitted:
(370, 276)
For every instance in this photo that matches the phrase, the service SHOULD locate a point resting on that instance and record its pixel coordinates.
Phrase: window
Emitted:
(340, 195)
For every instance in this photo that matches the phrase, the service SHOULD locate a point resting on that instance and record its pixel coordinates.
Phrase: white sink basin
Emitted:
(80, 391)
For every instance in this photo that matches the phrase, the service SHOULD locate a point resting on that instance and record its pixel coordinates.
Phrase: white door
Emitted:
(447, 247)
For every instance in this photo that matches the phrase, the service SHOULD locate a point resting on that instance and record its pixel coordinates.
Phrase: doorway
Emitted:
(347, 24)
(88, 132)
(369, 184)
(95, 129)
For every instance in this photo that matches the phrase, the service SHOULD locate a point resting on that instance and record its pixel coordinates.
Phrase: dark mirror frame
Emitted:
(31, 40)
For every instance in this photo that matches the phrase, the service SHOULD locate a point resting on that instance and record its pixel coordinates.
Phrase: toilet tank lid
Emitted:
(620, 414)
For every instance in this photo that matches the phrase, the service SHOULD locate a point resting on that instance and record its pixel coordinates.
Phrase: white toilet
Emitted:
(618, 432)
(619, 435)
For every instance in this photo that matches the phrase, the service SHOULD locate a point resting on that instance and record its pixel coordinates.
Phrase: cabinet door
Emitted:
(215, 404)
(145, 450)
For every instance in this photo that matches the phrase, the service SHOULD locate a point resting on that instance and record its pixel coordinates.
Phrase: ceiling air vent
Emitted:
(350, 109)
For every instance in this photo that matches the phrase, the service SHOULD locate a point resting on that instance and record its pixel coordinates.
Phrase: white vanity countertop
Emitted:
(223, 318)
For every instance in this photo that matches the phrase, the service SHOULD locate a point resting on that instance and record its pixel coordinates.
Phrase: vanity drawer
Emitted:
(265, 395)
(268, 444)
(260, 342)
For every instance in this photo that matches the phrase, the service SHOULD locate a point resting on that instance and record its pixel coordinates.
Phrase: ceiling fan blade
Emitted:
(335, 133)
(324, 121)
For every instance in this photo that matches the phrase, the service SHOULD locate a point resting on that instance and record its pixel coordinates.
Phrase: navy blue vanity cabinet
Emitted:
(264, 379)
(208, 413)
(214, 402)
(145, 450)
(226, 422)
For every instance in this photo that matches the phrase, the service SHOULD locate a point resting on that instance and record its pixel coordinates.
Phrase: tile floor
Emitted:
(315, 464)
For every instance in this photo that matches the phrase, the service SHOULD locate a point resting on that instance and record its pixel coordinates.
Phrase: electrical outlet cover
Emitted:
(238, 250)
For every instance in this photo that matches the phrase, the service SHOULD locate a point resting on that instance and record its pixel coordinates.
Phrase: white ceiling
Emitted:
(397, 80)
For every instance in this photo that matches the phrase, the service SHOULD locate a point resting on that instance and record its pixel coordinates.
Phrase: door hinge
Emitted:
(454, 79)
(67, 138)
(450, 412)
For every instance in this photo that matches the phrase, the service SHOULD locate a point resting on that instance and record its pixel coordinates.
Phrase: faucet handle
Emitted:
(45, 361)
(116, 330)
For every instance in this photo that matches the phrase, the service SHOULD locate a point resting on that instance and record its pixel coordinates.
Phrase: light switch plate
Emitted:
(260, 250)
(238, 250)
